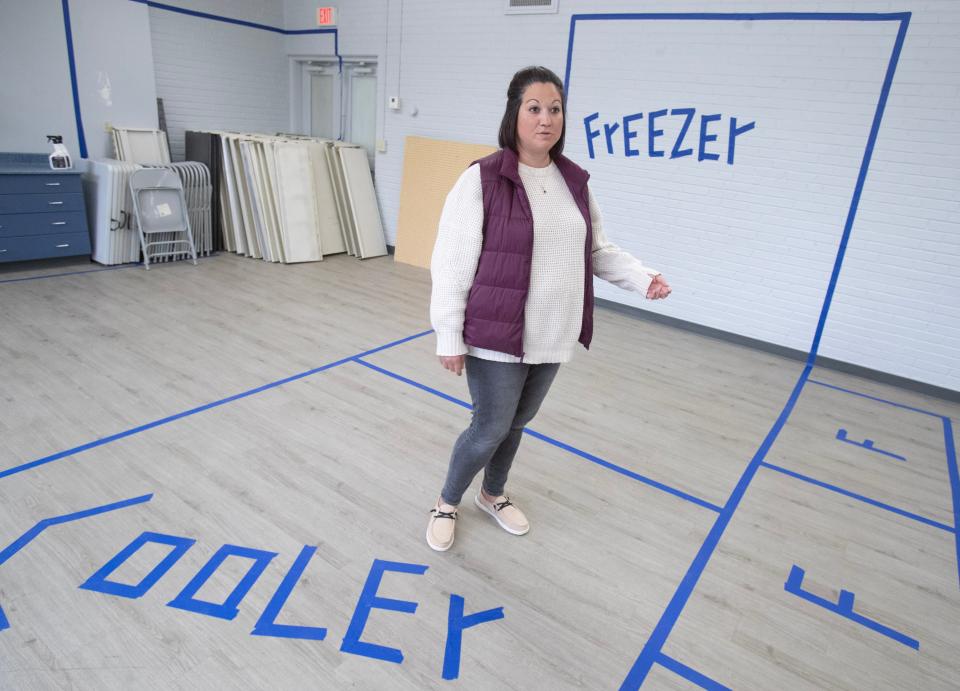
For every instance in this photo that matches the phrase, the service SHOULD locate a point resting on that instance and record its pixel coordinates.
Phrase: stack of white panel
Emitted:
(361, 201)
(110, 212)
(144, 146)
(295, 198)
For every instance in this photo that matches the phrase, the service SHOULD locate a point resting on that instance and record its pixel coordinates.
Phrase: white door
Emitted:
(322, 101)
(362, 105)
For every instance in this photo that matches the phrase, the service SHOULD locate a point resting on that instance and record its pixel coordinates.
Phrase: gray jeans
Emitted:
(506, 396)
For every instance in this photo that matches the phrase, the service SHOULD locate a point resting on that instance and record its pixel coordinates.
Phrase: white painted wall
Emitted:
(740, 259)
(111, 46)
(217, 75)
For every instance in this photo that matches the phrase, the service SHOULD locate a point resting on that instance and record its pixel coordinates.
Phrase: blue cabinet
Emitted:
(42, 211)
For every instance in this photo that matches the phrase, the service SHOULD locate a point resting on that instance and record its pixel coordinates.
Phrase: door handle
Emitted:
(53, 184)
(59, 223)
(66, 244)
(54, 203)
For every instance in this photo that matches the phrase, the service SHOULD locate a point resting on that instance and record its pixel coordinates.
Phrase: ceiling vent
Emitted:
(531, 7)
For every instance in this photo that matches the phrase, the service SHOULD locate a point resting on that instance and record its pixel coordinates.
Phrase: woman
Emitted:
(519, 240)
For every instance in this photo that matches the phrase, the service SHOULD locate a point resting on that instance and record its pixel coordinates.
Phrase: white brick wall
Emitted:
(759, 237)
(215, 75)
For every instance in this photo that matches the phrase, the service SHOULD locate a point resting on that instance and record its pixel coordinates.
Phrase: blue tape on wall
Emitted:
(227, 609)
(370, 600)
(65, 4)
(844, 607)
(190, 13)
(266, 625)
(100, 583)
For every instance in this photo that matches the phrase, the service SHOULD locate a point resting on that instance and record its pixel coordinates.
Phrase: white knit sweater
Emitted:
(554, 307)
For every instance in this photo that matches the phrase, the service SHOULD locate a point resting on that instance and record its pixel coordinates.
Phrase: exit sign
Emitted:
(326, 16)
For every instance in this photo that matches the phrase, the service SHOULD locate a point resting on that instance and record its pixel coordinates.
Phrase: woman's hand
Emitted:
(658, 289)
(454, 363)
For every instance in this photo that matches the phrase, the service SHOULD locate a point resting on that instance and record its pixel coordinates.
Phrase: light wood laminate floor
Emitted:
(254, 405)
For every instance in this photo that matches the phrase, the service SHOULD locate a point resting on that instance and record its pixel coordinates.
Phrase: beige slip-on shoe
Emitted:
(440, 529)
(505, 513)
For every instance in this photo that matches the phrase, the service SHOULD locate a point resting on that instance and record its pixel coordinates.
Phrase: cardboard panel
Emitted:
(430, 169)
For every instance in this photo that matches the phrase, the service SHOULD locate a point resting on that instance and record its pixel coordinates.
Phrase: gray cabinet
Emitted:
(42, 212)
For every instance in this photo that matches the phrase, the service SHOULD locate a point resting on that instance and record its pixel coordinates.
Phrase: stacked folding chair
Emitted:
(197, 190)
(161, 211)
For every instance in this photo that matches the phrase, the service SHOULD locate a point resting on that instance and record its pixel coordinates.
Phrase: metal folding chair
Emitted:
(162, 216)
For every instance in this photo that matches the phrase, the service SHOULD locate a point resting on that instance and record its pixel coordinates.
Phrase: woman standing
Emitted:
(519, 241)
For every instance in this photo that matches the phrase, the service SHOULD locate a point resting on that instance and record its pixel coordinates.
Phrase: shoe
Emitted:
(441, 527)
(506, 514)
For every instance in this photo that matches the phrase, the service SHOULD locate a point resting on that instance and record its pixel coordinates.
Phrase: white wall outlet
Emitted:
(382, 146)
(394, 103)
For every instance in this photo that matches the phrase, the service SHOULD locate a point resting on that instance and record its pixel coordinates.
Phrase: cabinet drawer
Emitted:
(43, 246)
(12, 225)
(31, 203)
(39, 184)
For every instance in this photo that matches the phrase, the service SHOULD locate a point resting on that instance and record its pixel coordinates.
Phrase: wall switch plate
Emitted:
(395, 103)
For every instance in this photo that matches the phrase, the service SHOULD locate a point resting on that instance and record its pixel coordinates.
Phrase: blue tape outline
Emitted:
(190, 13)
(42, 525)
(228, 609)
(949, 449)
(193, 411)
(100, 583)
(652, 650)
(69, 273)
(457, 623)
(550, 440)
(844, 607)
(690, 674)
(859, 497)
(370, 600)
(867, 444)
(267, 623)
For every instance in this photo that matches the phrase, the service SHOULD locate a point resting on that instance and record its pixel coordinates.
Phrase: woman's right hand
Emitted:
(454, 363)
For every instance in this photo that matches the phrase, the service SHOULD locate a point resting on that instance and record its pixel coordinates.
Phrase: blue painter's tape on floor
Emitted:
(267, 623)
(872, 398)
(229, 608)
(860, 497)
(100, 582)
(193, 411)
(31, 534)
(954, 483)
(654, 645)
(867, 444)
(69, 273)
(691, 675)
(550, 440)
(844, 607)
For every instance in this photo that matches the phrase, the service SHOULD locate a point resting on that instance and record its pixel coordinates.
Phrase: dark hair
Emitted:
(521, 80)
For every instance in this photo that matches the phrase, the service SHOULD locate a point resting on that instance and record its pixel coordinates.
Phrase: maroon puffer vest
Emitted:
(495, 306)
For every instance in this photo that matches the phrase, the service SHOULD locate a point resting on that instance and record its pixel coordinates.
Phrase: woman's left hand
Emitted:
(658, 289)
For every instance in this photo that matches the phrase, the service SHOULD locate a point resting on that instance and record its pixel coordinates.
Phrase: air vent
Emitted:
(531, 7)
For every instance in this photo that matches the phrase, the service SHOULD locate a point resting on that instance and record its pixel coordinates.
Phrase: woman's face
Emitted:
(540, 120)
